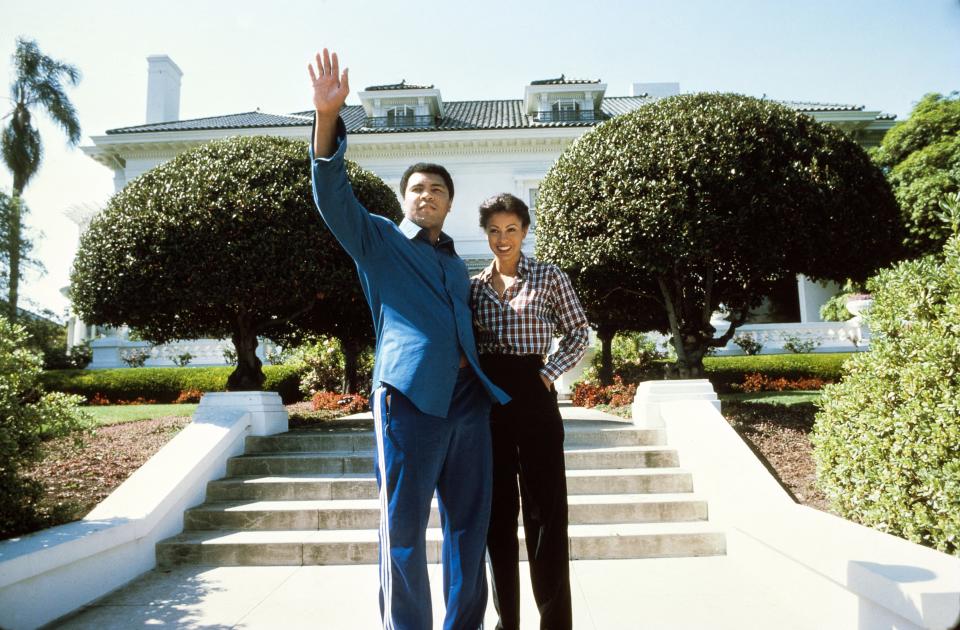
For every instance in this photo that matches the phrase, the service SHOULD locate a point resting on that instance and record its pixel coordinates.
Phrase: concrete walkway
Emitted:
(681, 593)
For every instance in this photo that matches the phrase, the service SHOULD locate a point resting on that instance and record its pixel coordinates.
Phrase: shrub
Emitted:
(748, 344)
(324, 363)
(164, 384)
(726, 372)
(799, 345)
(135, 357)
(188, 396)
(99, 400)
(635, 358)
(887, 437)
(760, 383)
(835, 309)
(27, 416)
(333, 401)
(182, 360)
(591, 394)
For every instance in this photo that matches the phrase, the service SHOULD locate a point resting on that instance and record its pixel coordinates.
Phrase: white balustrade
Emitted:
(108, 352)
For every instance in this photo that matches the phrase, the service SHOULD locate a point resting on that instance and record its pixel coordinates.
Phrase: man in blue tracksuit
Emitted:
(432, 401)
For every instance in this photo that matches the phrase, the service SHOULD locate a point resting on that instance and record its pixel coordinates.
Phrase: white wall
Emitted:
(812, 295)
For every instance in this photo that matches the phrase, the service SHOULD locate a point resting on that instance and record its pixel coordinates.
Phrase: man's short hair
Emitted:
(426, 167)
(504, 202)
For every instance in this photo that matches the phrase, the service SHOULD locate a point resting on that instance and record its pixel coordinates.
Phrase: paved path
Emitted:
(681, 593)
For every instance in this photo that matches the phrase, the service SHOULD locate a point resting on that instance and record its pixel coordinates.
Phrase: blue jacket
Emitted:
(418, 293)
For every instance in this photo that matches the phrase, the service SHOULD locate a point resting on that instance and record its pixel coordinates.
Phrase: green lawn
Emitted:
(775, 398)
(118, 414)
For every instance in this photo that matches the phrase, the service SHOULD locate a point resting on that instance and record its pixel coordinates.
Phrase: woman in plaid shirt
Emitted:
(519, 305)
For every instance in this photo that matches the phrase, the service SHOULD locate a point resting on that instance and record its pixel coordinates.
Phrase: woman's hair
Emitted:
(504, 202)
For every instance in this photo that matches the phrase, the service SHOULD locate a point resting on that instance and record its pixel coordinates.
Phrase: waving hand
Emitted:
(330, 89)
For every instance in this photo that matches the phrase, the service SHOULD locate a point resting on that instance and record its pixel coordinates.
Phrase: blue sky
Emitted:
(240, 55)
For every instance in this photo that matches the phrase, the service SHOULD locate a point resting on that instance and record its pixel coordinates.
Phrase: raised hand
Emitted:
(330, 87)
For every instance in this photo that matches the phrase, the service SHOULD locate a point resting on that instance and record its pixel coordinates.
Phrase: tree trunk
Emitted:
(248, 376)
(690, 353)
(351, 378)
(689, 342)
(13, 253)
(606, 356)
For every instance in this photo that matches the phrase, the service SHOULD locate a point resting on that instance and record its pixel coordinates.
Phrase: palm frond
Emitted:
(22, 151)
(58, 106)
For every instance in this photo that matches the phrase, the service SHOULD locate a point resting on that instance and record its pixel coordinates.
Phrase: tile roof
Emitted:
(564, 81)
(458, 115)
(806, 106)
(399, 86)
(231, 121)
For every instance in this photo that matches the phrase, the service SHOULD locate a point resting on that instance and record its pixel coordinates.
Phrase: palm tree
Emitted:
(38, 84)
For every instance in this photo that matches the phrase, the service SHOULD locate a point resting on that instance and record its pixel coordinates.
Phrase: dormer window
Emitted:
(565, 100)
(402, 105)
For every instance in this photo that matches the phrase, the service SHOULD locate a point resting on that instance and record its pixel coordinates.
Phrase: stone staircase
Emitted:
(309, 497)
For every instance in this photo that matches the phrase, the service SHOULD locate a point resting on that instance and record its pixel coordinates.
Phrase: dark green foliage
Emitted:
(27, 416)
(634, 358)
(887, 438)
(341, 310)
(934, 118)
(325, 366)
(223, 241)
(49, 339)
(922, 157)
(726, 371)
(164, 384)
(706, 198)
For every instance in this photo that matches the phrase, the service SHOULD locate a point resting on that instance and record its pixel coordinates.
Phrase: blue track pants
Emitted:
(417, 454)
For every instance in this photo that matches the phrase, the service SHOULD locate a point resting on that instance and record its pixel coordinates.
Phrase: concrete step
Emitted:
(348, 462)
(362, 441)
(359, 546)
(365, 513)
(620, 457)
(307, 487)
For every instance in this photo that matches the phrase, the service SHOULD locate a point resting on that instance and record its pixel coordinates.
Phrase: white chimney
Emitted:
(163, 89)
(655, 90)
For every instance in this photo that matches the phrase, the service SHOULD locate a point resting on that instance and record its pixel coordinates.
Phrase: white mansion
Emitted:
(489, 146)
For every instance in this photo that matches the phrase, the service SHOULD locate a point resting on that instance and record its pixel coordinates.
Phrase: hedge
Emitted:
(887, 438)
(164, 384)
(726, 371)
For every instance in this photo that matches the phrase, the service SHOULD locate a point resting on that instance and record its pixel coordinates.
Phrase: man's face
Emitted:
(426, 201)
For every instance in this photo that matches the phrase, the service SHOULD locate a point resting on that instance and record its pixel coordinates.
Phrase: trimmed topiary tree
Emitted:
(224, 241)
(703, 199)
(887, 437)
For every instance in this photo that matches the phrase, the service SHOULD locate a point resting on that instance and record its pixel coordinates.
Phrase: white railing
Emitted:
(851, 335)
(108, 352)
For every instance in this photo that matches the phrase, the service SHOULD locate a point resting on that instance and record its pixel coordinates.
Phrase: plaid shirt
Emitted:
(540, 303)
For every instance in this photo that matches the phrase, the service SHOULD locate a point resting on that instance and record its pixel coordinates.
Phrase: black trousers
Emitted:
(528, 471)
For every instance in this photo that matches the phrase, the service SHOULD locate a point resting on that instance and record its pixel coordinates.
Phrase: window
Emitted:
(401, 116)
(566, 110)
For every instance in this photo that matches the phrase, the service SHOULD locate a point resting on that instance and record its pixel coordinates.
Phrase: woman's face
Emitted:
(505, 234)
